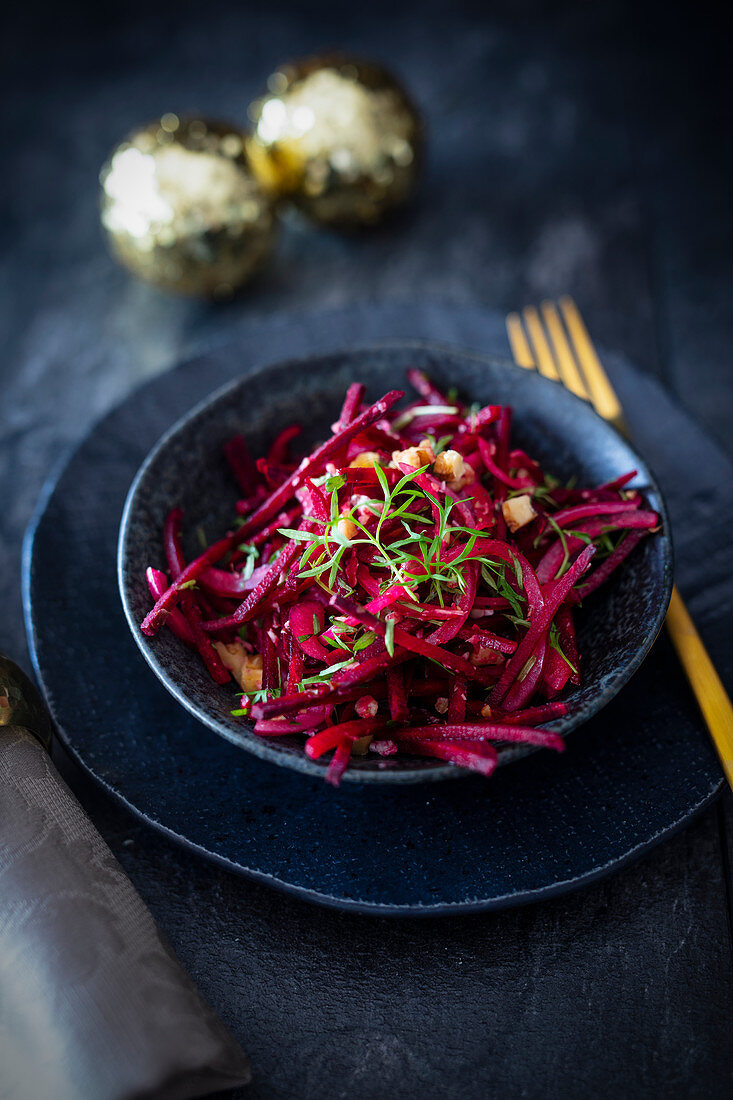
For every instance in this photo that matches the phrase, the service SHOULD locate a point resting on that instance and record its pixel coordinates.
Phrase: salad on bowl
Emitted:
(409, 588)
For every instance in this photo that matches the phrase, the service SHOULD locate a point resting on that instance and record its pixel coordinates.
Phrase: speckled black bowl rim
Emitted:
(427, 770)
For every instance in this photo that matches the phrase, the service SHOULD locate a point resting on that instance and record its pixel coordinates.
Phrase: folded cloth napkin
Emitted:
(93, 1003)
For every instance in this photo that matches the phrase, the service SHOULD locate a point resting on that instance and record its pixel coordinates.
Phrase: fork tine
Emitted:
(602, 394)
(518, 342)
(564, 358)
(543, 356)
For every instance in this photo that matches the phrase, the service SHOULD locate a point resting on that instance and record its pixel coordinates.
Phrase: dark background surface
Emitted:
(579, 148)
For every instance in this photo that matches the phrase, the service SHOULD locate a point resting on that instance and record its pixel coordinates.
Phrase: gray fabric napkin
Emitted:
(93, 1004)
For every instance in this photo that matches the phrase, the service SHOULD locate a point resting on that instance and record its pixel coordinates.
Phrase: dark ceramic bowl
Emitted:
(616, 628)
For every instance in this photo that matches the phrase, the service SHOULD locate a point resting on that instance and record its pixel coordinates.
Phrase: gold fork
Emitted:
(557, 344)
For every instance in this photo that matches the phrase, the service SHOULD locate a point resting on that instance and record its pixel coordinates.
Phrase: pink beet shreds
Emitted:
(407, 588)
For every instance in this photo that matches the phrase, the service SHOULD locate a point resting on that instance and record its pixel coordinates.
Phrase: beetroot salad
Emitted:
(408, 587)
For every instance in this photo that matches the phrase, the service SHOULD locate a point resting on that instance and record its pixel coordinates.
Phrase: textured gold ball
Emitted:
(337, 136)
(183, 210)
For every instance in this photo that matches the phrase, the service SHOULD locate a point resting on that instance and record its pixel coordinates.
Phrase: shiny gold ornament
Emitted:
(182, 209)
(339, 137)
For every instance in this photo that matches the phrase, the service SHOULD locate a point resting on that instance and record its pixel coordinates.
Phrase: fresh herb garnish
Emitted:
(554, 639)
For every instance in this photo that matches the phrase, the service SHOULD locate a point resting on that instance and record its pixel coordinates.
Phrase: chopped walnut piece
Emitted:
(347, 528)
(360, 747)
(441, 704)
(246, 668)
(451, 468)
(414, 456)
(518, 511)
(365, 459)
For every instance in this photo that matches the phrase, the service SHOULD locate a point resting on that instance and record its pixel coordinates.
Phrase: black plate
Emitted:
(617, 626)
(640, 769)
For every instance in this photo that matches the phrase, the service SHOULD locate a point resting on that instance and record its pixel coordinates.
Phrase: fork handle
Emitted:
(711, 696)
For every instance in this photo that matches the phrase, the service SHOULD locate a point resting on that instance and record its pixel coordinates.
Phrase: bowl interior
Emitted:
(616, 627)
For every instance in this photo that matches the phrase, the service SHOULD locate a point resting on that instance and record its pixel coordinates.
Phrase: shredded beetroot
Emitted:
(481, 758)
(379, 596)
(481, 731)
(603, 572)
(351, 405)
(279, 452)
(241, 463)
(425, 387)
(189, 607)
(545, 712)
(540, 623)
(399, 710)
(329, 738)
(457, 700)
(339, 763)
(157, 583)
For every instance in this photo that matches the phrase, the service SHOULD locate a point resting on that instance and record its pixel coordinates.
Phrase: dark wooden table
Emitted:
(576, 148)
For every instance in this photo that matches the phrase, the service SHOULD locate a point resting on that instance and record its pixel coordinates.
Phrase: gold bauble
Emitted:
(182, 209)
(337, 136)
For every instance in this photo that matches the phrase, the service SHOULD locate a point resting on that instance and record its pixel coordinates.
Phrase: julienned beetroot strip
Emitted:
(188, 606)
(314, 463)
(157, 583)
(407, 588)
